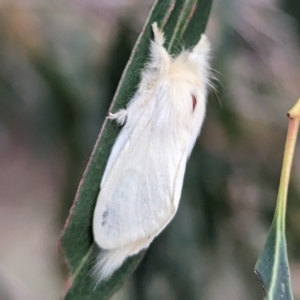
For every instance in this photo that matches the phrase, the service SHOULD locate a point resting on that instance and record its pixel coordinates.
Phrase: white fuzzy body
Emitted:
(142, 182)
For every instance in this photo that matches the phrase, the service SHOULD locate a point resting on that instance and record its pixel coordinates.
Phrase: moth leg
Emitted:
(158, 35)
(203, 46)
(120, 116)
(200, 55)
(158, 65)
(160, 58)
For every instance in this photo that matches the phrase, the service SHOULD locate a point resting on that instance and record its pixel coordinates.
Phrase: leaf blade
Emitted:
(272, 267)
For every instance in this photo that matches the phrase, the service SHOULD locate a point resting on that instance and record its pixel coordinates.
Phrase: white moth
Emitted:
(142, 182)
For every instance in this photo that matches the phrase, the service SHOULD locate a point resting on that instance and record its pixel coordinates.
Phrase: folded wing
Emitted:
(141, 187)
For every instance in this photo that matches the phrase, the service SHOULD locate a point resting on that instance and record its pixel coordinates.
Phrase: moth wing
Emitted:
(141, 187)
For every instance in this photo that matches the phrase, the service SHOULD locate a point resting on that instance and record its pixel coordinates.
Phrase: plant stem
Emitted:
(294, 115)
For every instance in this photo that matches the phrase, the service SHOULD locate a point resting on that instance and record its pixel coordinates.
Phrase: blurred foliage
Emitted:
(292, 7)
(56, 114)
(57, 77)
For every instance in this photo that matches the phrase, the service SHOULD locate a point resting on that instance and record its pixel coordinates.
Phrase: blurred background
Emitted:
(60, 63)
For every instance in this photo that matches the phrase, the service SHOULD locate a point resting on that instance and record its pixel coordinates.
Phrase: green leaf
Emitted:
(182, 21)
(272, 267)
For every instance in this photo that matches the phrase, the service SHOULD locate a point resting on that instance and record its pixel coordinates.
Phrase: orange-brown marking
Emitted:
(194, 102)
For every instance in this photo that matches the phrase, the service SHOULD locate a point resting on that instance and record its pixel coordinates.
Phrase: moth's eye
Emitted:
(194, 101)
